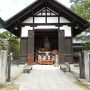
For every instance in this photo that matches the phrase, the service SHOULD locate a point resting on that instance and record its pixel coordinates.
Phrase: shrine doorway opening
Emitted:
(46, 41)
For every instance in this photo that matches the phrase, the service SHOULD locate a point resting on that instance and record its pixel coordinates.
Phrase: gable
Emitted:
(55, 6)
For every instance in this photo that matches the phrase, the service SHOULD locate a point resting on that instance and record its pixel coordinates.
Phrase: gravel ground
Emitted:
(16, 70)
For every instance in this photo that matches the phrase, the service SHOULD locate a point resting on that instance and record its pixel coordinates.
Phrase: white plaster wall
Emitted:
(86, 59)
(67, 30)
(29, 20)
(39, 14)
(49, 20)
(52, 19)
(46, 27)
(39, 20)
(42, 20)
(25, 29)
(24, 32)
(63, 20)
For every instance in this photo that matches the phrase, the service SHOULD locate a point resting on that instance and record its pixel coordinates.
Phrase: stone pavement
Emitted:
(46, 77)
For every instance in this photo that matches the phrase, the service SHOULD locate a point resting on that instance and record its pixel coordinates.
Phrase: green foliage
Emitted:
(86, 46)
(1, 47)
(82, 85)
(14, 46)
(12, 43)
(5, 35)
(85, 36)
(81, 7)
(75, 1)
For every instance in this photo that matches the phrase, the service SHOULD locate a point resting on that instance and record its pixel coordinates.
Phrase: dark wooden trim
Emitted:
(46, 12)
(37, 24)
(26, 38)
(2, 23)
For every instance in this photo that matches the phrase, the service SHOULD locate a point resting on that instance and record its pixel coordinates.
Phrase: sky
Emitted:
(8, 8)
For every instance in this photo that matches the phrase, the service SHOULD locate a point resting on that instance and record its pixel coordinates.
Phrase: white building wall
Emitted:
(46, 27)
(24, 31)
(39, 20)
(52, 19)
(49, 20)
(29, 20)
(63, 20)
(66, 28)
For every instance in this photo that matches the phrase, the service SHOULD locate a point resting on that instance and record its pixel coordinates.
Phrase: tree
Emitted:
(1, 46)
(75, 1)
(12, 43)
(82, 8)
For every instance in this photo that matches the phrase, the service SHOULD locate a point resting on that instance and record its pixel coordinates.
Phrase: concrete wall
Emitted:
(3, 66)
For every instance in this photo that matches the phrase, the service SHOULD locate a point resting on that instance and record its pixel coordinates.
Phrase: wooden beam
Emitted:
(45, 24)
(47, 16)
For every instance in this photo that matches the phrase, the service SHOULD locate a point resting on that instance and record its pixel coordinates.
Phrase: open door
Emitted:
(30, 57)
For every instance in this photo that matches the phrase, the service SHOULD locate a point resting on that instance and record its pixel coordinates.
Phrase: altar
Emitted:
(46, 57)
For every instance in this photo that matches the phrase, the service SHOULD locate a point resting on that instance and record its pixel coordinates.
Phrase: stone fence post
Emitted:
(3, 66)
(87, 64)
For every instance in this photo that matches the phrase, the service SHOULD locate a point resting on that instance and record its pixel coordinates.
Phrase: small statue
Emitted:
(47, 44)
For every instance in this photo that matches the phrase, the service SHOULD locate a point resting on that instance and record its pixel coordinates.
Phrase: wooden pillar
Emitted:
(30, 56)
(61, 43)
(23, 48)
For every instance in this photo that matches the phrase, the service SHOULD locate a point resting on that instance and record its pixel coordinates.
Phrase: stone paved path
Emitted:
(46, 77)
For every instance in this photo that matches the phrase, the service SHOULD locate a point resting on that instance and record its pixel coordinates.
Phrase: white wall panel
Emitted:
(52, 19)
(67, 30)
(46, 27)
(63, 20)
(29, 20)
(24, 32)
(48, 13)
(39, 19)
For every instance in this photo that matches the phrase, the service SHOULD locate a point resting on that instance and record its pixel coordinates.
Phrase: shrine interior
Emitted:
(46, 39)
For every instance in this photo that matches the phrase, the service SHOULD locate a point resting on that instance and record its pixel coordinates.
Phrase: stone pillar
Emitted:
(56, 61)
(87, 64)
(3, 66)
(82, 66)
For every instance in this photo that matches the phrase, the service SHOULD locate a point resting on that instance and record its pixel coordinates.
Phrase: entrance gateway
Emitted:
(50, 27)
(42, 45)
